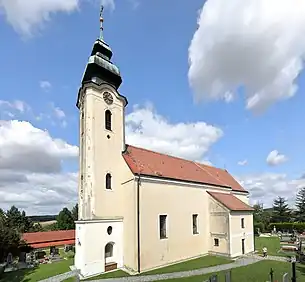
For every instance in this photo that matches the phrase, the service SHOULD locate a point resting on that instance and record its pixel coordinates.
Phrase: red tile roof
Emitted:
(53, 244)
(230, 201)
(146, 162)
(50, 238)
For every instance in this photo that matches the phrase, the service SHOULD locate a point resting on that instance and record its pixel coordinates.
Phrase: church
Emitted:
(139, 209)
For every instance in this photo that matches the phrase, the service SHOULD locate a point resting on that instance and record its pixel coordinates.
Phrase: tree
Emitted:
(281, 211)
(75, 212)
(19, 220)
(9, 237)
(65, 220)
(300, 205)
(258, 213)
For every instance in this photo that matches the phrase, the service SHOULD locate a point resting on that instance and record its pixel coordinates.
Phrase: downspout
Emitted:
(229, 234)
(138, 222)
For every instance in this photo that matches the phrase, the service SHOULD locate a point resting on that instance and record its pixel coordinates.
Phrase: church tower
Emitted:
(99, 229)
(102, 136)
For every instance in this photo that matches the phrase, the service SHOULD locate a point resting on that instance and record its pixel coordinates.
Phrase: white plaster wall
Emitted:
(237, 233)
(93, 237)
(242, 196)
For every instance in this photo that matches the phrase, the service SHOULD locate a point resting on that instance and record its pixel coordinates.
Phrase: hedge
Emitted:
(288, 226)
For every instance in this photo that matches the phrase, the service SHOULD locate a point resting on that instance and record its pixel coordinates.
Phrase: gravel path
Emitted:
(165, 276)
(276, 258)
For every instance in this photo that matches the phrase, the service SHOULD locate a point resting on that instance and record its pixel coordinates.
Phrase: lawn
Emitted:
(43, 271)
(272, 244)
(201, 262)
(257, 272)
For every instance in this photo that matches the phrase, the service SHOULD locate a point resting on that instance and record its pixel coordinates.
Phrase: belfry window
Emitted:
(108, 120)
(108, 181)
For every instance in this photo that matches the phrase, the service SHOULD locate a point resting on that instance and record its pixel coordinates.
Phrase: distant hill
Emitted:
(42, 218)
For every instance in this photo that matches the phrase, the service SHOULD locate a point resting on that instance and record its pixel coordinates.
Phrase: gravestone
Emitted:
(228, 276)
(9, 259)
(213, 278)
(55, 251)
(285, 277)
(40, 254)
(22, 257)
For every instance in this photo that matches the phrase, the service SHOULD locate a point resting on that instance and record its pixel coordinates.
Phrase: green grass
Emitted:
(201, 262)
(257, 272)
(43, 271)
(272, 244)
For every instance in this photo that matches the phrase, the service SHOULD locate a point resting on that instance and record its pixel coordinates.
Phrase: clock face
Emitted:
(108, 98)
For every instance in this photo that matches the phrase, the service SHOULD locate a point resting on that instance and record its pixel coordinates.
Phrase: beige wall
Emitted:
(179, 203)
(238, 233)
(101, 155)
(130, 224)
(219, 227)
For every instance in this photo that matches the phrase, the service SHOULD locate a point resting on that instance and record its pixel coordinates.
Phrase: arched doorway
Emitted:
(110, 262)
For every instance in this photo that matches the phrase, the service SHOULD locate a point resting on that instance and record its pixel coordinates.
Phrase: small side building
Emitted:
(49, 239)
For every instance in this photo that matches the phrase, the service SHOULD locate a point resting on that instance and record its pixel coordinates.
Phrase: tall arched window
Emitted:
(108, 120)
(108, 181)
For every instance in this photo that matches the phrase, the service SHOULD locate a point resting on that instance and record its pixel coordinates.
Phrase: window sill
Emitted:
(197, 233)
(164, 238)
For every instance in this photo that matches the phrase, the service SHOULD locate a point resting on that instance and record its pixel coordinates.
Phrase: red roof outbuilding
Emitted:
(50, 238)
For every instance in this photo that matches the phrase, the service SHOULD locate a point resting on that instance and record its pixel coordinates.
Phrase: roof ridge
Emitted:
(171, 156)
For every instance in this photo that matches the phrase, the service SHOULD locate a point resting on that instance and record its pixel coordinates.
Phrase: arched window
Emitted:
(108, 181)
(108, 120)
(109, 250)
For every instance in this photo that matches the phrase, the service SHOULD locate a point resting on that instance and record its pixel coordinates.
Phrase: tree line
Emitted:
(280, 213)
(13, 223)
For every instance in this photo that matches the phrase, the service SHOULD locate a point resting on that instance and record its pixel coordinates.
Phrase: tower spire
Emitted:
(101, 23)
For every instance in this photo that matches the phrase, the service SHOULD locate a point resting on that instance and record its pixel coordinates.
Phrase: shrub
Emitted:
(70, 254)
(260, 226)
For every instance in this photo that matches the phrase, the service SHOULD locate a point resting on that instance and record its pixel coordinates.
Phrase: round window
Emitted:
(109, 230)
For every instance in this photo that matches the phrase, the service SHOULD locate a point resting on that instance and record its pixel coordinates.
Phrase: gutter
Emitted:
(138, 222)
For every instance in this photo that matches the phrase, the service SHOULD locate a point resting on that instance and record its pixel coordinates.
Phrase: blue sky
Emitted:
(43, 68)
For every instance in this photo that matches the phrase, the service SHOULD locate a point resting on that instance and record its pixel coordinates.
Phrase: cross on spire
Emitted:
(101, 23)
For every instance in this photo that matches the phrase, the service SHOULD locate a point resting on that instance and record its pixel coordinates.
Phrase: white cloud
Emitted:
(31, 169)
(59, 113)
(275, 158)
(26, 16)
(45, 85)
(266, 187)
(145, 128)
(16, 105)
(26, 148)
(242, 163)
(261, 48)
